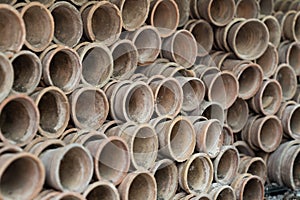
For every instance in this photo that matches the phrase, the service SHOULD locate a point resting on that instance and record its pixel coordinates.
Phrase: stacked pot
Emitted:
(148, 99)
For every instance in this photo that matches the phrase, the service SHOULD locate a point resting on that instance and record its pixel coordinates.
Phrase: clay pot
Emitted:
(248, 39)
(268, 61)
(266, 7)
(97, 64)
(226, 165)
(181, 47)
(237, 115)
(147, 42)
(39, 25)
(19, 119)
(287, 78)
(102, 22)
(247, 186)
(204, 36)
(54, 111)
(89, 107)
(168, 96)
(138, 185)
(222, 88)
(289, 119)
(218, 191)
(111, 158)
(134, 13)
(101, 189)
(184, 11)
(208, 137)
(27, 69)
(265, 133)
(253, 165)
(125, 57)
(267, 100)
(196, 174)
(131, 101)
(68, 26)
(289, 53)
(68, 168)
(17, 170)
(290, 24)
(166, 176)
(193, 92)
(12, 29)
(249, 76)
(219, 13)
(176, 139)
(6, 76)
(61, 68)
(273, 26)
(247, 9)
(160, 10)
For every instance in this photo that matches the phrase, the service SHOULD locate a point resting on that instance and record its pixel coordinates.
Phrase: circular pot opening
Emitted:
(134, 13)
(165, 178)
(222, 11)
(266, 7)
(270, 134)
(258, 168)
(268, 61)
(213, 137)
(142, 187)
(274, 29)
(227, 167)
(101, 191)
(204, 37)
(237, 115)
(193, 94)
(253, 189)
(271, 98)
(247, 9)
(294, 57)
(250, 80)
(287, 79)
(294, 122)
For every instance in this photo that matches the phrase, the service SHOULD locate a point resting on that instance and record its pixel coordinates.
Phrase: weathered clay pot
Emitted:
(253, 165)
(125, 57)
(111, 158)
(196, 174)
(22, 175)
(287, 78)
(68, 168)
(217, 12)
(89, 107)
(289, 120)
(39, 25)
(13, 29)
(248, 187)
(226, 165)
(6, 76)
(138, 185)
(27, 69)
(208, 137)
(68, 26)
(227, 135)
(61, 68)
(147, 42)
(54, 111)
(181, 47)
(273, 26)
(193, 92)
(289, 53)
(176, 139)
(19, 119)
(290, 24)
(168, 96)
(218, 191)
(267, 100)
(222, 88)
(248, 39)
(160, 10)
(97, 64)
(134, 13)
(101, 189)
(237, 115)
(102, 21)
(247, 9)
(268, 61)
(166, 176)
(203, 34)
